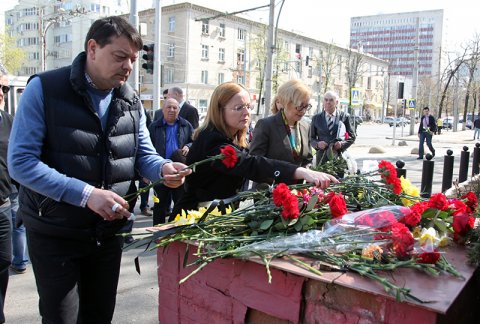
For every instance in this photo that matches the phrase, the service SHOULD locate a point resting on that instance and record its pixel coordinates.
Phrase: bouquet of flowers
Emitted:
(390, 227)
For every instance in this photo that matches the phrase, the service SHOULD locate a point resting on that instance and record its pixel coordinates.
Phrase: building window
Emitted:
(240, 79)
(221, 78)
(202, 105)
(204, 77)
(221, 55)
(205, 27)
(95, 7)
(34, 56)
(241, 33)
(168, 76)
(204, 52)
(240, 56)
(171, 24)
(222, 31)
(171, 50)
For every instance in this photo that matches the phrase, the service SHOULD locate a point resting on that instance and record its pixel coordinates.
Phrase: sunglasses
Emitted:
(5, 88)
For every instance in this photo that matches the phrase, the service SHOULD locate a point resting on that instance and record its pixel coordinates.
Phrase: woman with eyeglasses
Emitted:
(285, 135)
(226, 123)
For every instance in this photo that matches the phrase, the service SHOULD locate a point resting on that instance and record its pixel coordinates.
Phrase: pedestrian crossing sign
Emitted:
(355, 96)
(412, 103)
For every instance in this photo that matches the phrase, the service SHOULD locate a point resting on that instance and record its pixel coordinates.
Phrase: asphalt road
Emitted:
(138, 294)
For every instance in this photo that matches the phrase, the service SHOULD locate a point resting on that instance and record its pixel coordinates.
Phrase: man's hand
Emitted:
(337, 146)
(101, 202)
(322, 145)
(185, 150)
(174, 174)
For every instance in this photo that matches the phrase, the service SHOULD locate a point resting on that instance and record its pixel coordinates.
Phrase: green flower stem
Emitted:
(133, 196)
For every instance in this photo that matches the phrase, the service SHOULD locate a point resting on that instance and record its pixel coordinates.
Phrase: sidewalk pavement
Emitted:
(448, 140)
(137, 298)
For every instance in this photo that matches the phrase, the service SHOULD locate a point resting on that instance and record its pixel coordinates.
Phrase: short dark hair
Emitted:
(426, 108)
(103, 29)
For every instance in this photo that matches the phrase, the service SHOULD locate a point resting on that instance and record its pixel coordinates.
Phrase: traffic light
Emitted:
(307, 59)
(149, 57)
(404, 103)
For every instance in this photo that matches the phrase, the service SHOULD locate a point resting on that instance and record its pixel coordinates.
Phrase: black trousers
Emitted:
(5, 253)
(76, 280)
(165, 195)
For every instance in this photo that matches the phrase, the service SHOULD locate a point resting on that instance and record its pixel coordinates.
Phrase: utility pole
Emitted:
(269, 64)
(415, 76)
(134, 77)
(157, 62)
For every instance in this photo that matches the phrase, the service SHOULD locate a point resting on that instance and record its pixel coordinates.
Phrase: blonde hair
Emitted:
(215, 113)
(292, 91)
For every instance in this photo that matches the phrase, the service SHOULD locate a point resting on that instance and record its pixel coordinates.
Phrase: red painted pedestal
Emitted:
(237, 291)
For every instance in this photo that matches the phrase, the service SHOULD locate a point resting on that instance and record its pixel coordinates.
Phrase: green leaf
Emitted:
(266, 224)
(311, 203)
(440, 224)
(298, 226)
(280, 226)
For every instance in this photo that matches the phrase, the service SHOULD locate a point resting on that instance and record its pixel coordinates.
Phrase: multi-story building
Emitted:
(393, 37)
(52, 32)
(201, 48)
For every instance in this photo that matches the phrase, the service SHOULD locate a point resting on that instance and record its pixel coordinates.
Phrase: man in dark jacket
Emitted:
(331, 131)
(5, 191)
(170, 134)
(86, 138)
(425, 132)
(187, 111)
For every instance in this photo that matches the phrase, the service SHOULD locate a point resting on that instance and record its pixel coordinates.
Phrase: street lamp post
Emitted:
(44, 42)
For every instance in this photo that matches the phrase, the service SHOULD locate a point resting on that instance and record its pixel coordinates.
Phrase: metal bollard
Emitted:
(400, 170)
(427, 176)
(447, 171)
(476, 160)
(464, 158)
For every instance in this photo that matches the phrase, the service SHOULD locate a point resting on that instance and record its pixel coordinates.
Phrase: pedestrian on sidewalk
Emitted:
(439, 125)
(476, 127)
(425, 132)
(86, 139)
(5, 191)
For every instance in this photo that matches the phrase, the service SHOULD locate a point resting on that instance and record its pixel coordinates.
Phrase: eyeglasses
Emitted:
(239, 108)
(306, 107)
(5, 88)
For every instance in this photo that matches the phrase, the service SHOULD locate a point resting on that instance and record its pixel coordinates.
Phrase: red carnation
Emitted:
(438, 201)
(347, 136)
(282, 196)
(428, 257)
(472, 200)
(230, 157)
(457, 206)
(402, 240)
(337, 204)
(462, 224)
(410, 217)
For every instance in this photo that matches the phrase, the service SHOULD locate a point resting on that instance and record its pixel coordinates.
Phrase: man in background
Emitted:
(172, 137)
(6, 121)
(187, 111)
(159, 112)
(426, 129)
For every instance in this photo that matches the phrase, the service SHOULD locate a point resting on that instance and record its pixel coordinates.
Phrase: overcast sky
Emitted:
(330, 20)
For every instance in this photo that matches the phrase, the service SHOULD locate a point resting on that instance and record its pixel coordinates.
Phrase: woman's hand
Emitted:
(321, 179)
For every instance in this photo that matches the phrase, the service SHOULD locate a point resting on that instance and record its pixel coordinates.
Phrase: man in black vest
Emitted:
(78, 138)
(5, 191)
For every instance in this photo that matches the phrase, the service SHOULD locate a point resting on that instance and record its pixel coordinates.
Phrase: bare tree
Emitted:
(449, 72)
(471, 63)
(354, 70)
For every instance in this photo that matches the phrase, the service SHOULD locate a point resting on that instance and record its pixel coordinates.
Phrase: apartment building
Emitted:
(52, 33)
(202, 47)
(394, 38)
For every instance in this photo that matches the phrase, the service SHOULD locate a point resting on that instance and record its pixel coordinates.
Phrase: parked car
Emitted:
(399, 122)
(388, 120)
(447, 123)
